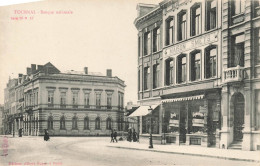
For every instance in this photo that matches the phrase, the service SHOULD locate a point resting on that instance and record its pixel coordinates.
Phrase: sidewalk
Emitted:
(228, 154)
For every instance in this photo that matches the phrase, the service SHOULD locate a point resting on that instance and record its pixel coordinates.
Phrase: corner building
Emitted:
(197, 73)
(66, 103)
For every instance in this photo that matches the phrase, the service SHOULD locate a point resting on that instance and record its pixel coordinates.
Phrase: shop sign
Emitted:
(191, 44)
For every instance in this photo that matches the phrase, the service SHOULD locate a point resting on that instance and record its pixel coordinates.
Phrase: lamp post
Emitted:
(151, 136)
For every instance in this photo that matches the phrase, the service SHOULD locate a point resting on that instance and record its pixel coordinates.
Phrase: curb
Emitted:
(190, 154)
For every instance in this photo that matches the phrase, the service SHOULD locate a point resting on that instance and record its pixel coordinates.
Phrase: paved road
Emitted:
(74, 151)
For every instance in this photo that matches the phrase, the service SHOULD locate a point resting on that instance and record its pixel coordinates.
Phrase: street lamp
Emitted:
(151, 137)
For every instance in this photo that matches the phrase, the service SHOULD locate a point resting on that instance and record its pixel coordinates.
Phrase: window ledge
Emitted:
(237, 15)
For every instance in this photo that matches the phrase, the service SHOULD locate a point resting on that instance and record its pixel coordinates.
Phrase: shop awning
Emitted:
(183, 99)
(143, 110)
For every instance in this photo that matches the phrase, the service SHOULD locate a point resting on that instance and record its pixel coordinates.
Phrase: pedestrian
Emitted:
(130, 135)
(46, 135)
(112, 136)
(134, 136)
(115, 135)
(20, 132)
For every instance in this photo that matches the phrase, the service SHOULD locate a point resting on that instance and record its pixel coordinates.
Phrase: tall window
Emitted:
(50, 98)
(211, 14)
(50, 123)
(156, 71)
(86, 123)
(169, 31)
(156, 39)
(182, 25)
(139, 80)
(86, 100)
(74, 123)
(139, 46)
(97, 123)
(181, 68)
(169, 72)
(75, 99)
(195, 20)
(63, 99)
(62, 123)
(211, 62)
(147, 43)
(109, 101)
(109, 124)
(237, 53)
(238, 6)
(195, 66)
(146, 77)
(98, 100)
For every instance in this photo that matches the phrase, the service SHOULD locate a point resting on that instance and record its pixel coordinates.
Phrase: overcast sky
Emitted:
(100, 34)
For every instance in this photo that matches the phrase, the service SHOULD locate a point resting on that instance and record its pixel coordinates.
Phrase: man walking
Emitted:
(115, 135)
(112, 136)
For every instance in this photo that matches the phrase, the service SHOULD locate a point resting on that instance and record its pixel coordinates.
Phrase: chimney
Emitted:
(39, 67)
(109, 72)
(28, 71)
(86, 70)
(33, 67)
(20, 76)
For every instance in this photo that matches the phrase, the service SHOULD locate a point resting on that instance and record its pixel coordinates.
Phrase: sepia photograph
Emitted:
(129, 82)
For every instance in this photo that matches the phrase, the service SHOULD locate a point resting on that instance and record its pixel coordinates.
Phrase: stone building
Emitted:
(65, 103)
(198, 76)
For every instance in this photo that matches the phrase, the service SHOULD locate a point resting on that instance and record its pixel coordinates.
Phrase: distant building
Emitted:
(1, 119)
(198, 72)
(65, 103)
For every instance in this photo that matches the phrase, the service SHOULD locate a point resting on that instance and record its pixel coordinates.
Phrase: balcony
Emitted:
(234, 74)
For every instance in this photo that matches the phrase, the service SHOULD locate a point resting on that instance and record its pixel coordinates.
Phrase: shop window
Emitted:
(50, 98)
(62, 123)
(75, 99)
(237, 51)
(86, 123)
(63, 99)
(146, 77)
(182, 25)
(182, 68)
(156, 39)
(195, 65)
(98, 100)
(50, 123)
(109, 101)
(210, 62)
(74, 123)
(195, 20)
(169, 72)
(147, 43)
(156, 71)
(237, 6)
(211, 14)
(169, 31)
(86, 100)
(109, 124)
(97, 123)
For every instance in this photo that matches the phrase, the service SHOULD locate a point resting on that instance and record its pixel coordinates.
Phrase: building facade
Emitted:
(65, 103)
(198, 81)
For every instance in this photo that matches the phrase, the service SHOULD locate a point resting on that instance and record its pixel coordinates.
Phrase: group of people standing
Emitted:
(113, 136)
(132, 135)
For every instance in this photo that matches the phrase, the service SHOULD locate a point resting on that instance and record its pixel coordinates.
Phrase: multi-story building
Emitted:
(65, 103)
(198, 76)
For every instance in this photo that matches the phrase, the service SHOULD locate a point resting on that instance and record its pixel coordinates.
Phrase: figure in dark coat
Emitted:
(134, 136)
(130, 135)
(46, 136)
(115, 135)
(112, 136)
(20, 132)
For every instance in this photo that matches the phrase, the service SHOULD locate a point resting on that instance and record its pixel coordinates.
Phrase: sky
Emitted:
(98, 34)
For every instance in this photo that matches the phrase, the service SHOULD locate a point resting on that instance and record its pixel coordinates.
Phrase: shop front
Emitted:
(191, 120)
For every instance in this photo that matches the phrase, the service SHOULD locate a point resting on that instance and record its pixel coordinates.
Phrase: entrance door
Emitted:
(183, 121)
(239, 105)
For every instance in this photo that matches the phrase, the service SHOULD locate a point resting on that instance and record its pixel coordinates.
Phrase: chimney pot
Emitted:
(28, 71)
(109, 72)
(33, 67)
(86, 70)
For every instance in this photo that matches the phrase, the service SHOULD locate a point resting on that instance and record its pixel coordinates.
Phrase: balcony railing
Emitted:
(234, 74)
(75, 107)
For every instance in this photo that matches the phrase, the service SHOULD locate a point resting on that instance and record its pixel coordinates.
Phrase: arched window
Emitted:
(210, 61)
(169, 71)
(109, 122)
(74, 123)
(181, 68)
(86, 123)
(195, 62)
(62, 123)
(50, 123)
(97, 123)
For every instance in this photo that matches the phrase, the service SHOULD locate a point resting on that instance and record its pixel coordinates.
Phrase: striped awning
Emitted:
(183, 99)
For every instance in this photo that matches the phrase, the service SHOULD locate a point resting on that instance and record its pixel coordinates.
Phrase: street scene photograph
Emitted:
(130, 82)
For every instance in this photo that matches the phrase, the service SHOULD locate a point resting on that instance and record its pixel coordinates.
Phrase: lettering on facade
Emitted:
(191, 44)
